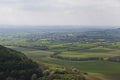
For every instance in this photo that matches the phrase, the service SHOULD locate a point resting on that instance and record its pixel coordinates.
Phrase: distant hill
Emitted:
(15, 64)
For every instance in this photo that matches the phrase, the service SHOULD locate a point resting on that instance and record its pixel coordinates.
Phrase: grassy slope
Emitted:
(110, 69)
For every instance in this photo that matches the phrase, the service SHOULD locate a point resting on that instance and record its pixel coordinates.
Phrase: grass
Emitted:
(97, 76)
(94, 52)
(111, 70)
(86, 66)
(89, 54)
(113, 76)
(38, 54)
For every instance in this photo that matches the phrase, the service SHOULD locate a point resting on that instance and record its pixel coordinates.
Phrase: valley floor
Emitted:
(97, 70)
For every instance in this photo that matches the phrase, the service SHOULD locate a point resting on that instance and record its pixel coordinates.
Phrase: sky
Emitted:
(60, 12)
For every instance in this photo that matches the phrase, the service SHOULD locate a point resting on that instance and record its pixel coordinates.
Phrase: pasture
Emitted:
(94, 52)
(106, 68)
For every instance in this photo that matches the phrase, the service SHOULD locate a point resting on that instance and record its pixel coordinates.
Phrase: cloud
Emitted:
(60, 12)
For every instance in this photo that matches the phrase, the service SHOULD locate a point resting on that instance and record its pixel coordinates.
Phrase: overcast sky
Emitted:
(60, 12)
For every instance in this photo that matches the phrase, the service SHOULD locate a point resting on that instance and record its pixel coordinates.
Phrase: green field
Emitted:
(109, 69)
(91, 53)
(89, 66)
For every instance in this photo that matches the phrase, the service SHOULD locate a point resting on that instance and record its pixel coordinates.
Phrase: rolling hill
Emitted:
(16, 65)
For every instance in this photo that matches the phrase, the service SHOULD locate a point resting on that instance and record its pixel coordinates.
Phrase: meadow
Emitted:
(92, 53)
(108, 69)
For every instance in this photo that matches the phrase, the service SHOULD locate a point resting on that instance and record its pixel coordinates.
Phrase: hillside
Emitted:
(15, 64)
